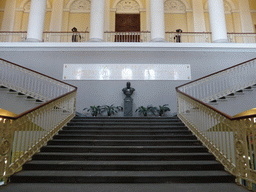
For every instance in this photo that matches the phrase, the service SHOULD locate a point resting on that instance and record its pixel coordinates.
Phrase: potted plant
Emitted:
(146, 110)
(111, 110)
(162, 109)
(95, 110)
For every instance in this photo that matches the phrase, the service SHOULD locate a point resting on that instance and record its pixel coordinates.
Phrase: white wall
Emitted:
(48, 58)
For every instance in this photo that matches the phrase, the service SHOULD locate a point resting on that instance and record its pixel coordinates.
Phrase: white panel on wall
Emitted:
(127, 72)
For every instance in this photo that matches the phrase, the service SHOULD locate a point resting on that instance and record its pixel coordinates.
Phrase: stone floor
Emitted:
(30, 187)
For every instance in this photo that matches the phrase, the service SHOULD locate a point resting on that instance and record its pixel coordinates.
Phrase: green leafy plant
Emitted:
(95, 110)
(146, 110)
(162, 109)
(111, 110)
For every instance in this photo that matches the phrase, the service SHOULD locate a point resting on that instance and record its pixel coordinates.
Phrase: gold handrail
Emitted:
(23, 135)
(232, 140)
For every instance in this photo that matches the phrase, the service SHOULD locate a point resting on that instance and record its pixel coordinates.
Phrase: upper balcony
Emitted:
(140, 37)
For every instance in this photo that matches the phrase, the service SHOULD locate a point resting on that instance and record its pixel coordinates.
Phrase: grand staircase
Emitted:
(123, 150)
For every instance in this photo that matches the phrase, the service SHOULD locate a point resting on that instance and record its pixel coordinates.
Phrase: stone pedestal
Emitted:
(128, 102)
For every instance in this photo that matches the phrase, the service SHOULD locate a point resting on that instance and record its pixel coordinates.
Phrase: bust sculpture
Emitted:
(128, 91)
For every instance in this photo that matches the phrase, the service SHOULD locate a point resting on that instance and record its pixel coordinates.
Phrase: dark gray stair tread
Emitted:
(128, 118)
(127, 131)
(122, 173)
(125, 137)
(127, 147)
(122, 165)
(123, 125)
(126, 154)
(145, 136)
(122, 142)
(49, 162)
(75, 127)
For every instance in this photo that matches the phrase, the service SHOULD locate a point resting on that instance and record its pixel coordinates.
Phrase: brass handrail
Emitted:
(23, 135)
(232, 140)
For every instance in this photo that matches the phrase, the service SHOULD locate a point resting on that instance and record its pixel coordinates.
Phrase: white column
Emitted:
(9, 15)
(157, 20)
(36, 20)
(217, 21)
(56, 16)
(245, 16)
(97, 20)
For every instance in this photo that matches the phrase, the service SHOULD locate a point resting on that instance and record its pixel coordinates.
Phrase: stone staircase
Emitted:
(123, 150)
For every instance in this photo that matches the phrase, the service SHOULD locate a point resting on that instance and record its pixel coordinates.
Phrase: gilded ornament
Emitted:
(239, 147)
(4, 147)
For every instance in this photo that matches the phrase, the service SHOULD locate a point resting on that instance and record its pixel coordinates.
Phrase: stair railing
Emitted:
(22, 136)
(231, 140)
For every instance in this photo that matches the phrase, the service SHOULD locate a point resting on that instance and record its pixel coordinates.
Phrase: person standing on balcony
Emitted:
(76, 37)
(178, 36)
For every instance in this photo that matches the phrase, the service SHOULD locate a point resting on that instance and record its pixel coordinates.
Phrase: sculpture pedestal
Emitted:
(128, 106)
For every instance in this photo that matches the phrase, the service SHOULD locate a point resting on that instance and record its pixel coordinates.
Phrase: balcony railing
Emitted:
(231, 140)
(142, 37)
(22, 136)
(13, 36)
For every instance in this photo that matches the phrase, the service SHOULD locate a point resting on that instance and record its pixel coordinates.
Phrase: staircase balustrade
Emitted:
(24, 135)
(231, 140)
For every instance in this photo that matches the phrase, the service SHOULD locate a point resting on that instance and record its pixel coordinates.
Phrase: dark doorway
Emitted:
(127, 23)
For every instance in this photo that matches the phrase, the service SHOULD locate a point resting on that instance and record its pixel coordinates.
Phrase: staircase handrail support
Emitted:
(22, 136)
(231, 140)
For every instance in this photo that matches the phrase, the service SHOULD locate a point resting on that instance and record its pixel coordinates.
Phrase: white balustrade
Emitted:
(242, 37)
(111, 36)
(12, 36)
(232, 140)
(222, 83)
(30, 82)
(143, 36)
(188, 37)
(22, 136)
(66, 36)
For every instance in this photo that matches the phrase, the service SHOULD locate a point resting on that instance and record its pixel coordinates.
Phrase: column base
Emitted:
(95, 40)
(221, 41)
(158, 40)
(33, 40)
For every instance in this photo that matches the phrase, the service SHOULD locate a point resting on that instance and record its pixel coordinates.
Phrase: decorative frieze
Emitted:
(128, 6)
(174, 6)
(80, 6)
